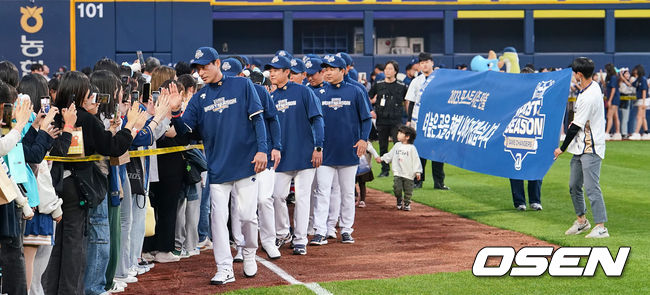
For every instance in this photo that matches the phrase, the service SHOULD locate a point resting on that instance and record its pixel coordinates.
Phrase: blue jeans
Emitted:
(132, 220)
(204, 218)
(519, 194)
(97, 253)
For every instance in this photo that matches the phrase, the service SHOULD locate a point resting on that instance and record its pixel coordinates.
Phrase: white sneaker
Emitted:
(536, 206)
(194, 252)
(137, 270)
(165, 257)
(599, 231)
(128, 280)
(608, 137)
(645, 136)
(521, 207)
(223, 276)
(239, 257)
(122, 285)
(250, 265)
(635, 136)
(578, 228)
(617, 136)
(272, 251)
(205, 245)
(117, 288)
(132, 272)
(148, 256)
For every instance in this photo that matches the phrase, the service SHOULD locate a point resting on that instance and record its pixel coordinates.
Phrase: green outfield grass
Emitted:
(625, 182)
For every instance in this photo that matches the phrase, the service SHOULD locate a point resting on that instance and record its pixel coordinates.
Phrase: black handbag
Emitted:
(195, 164)
(135, 174)
(92, 185)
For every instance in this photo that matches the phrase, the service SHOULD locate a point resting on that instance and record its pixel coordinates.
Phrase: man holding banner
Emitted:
(413, 101)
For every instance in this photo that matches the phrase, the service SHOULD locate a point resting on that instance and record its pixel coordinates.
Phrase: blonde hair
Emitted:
(160, 75)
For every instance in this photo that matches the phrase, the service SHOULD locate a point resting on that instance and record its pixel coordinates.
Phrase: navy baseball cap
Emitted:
(204, 56)
(278, 62)
(284, 53)
(231, 67)
(248, 62)
(333, 61)
(297, 66)
(346, 57)
(312, 65)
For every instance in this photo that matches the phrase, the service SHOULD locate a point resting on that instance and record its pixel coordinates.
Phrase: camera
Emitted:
(45, 104)
(155, 95)
(135, 96)
(103, 98)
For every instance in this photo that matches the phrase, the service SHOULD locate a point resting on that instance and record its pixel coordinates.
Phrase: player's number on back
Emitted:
(91, 10)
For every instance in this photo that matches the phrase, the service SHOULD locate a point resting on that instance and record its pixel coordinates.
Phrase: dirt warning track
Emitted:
(389, 243)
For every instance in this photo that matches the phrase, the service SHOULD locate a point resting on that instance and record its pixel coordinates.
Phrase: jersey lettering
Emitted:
(336, 103)
(284, 104)
(220, 104)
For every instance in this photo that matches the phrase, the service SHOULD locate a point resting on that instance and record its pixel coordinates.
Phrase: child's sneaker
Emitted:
(407, 208)
(362, 204)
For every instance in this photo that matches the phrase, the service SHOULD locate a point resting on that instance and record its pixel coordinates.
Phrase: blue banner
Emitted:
(495, 123)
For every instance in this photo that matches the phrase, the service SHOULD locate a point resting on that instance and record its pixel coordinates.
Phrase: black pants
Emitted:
(386, 131)
(519, 195)
(437, 170)
(12, 260)
(164, 200)
(65, 271)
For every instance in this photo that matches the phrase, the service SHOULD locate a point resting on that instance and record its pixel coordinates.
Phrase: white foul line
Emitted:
(314, 287)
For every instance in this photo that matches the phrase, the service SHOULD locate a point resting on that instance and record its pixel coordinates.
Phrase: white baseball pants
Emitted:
(265, 212)
(335, 204)
(346, 178)
(246, 190)
(302, 183)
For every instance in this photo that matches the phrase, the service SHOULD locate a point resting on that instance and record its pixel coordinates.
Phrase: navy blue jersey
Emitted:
(273, 133)
(344, 111)
(317, 87)
(297, 107)
(612, 85)
(221, 113)
(640, 84)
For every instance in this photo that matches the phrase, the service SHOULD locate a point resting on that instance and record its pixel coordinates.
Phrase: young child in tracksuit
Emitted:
(406, 166)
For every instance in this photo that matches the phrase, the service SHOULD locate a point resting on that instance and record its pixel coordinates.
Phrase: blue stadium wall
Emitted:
(546, 33)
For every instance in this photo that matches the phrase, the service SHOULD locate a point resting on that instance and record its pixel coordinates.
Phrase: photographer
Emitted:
(80, 183)
(387, 97)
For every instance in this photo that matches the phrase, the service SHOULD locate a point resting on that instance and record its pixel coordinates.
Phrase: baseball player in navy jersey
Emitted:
(351, 72)
(228, 115)
(297, 71)
(348, 123)
(266, 179)
(301, 121)
(314, 73)
(335, 196)
(314, 82)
